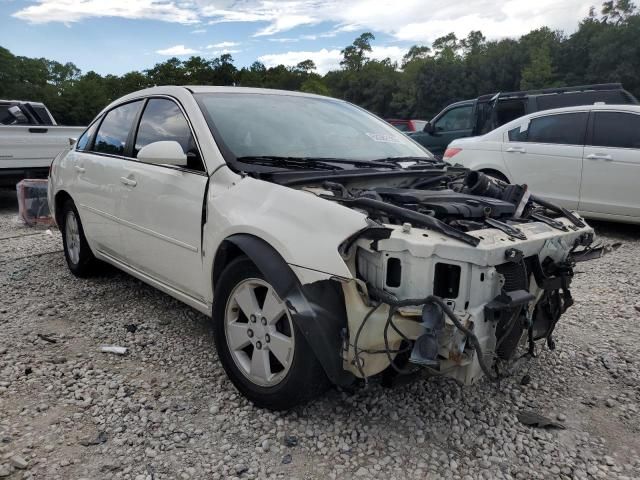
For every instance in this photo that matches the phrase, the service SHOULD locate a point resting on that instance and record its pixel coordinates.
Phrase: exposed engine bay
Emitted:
(458, 273)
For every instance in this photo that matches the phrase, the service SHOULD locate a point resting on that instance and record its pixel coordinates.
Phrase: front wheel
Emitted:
(264, 354)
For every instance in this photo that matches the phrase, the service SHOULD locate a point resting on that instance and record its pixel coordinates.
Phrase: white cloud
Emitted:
(199, 30)
(66, 11)
(223, 45)
(393, 52)
(326, 60)
(284, 40)
(409, 20)
(177, 51)
(223, 51)
(284, 22)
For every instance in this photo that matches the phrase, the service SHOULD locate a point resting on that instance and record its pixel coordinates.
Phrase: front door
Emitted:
(162, 205)
(546, 154)
(611, 171)
(456, 122)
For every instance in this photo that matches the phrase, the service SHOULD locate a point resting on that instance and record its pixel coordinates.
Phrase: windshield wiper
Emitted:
(418, 160)
(310, 162)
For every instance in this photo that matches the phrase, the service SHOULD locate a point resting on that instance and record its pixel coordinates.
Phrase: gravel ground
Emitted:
(166, 410)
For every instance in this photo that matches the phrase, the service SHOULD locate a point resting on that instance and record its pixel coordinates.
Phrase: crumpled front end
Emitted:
(423, 299)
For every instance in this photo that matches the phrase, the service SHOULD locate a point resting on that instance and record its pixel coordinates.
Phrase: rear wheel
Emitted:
(266, 357)
(77, 252)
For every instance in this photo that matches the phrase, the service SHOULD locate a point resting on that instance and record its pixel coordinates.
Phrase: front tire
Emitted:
(77, 252)
(262, 351)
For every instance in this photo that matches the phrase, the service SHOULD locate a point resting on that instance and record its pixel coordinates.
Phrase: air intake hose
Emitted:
(478, 183)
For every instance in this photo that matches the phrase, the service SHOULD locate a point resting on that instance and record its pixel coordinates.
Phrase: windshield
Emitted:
(265, 125)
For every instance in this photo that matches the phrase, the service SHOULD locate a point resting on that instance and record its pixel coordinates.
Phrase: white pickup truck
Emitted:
(30, 138)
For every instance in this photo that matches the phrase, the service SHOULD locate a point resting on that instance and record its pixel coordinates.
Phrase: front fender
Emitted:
(303, 228)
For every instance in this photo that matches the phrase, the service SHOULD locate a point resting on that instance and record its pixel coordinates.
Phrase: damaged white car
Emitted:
(326, 246)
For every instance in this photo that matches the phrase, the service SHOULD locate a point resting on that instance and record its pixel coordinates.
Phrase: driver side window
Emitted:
(458, 118)
(163, 120)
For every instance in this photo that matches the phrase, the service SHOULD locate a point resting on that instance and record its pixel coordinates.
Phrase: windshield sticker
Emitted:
(384, 138)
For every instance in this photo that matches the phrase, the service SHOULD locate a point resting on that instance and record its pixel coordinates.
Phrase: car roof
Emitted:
(20, 102)
(181, 91)
(171, 89)
(460, 103)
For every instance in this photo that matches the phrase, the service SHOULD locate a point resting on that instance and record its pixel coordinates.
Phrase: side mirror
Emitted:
(72, 141)
(166, 152)
(429, 128)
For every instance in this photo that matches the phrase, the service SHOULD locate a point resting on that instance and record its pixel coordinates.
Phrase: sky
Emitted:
(118, 36)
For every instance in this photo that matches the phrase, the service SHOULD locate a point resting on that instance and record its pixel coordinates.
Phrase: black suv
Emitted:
(481, 115)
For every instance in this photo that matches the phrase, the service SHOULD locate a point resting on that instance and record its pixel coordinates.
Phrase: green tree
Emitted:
(539, 71)
(617, 11)
(354, 56)
(605, 48)
(446, 47)
(314, 85)
(415, 53)
(306, 66)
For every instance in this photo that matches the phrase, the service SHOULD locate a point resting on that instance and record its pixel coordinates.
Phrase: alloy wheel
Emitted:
(72, 234)
(259, 332)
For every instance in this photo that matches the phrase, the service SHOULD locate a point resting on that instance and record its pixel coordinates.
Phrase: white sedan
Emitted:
(325, 245)
(584, 158)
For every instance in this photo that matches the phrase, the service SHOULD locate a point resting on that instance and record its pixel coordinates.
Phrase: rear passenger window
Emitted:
(565, 129)
(616, 129)
(163, 120)
(114, 129)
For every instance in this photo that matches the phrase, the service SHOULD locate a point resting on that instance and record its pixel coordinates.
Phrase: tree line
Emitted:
(605, 48)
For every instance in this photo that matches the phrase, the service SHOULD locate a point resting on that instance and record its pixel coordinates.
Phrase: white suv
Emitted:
(583, 158)
(325, 244)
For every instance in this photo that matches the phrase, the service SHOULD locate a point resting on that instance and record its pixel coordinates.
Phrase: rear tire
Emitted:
(77, 252)
(262, 351)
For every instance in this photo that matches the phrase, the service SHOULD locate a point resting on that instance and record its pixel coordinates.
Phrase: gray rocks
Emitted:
(166, 409)
(5, 470)
(18, 462)
(240, 468)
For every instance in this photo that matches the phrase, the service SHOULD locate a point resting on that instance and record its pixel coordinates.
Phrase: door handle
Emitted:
(79, 169)
(128, 181)
(516, 150)
(599, 156)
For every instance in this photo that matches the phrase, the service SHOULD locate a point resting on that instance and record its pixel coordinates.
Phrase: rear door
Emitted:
(545, 153)
(98, 165)
(163, 205)
(611, 172)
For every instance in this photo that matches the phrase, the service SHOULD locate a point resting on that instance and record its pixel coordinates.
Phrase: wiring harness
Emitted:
(396, 304)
